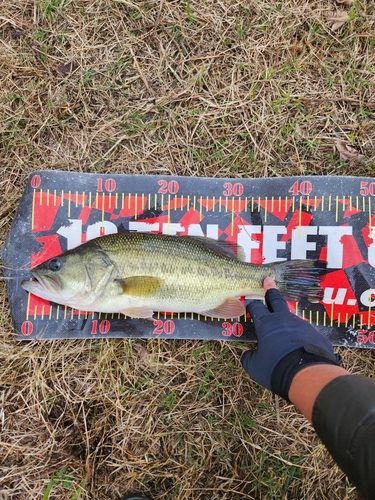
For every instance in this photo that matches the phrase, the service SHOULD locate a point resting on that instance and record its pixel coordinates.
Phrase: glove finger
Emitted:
(257, 310)
(275, 301)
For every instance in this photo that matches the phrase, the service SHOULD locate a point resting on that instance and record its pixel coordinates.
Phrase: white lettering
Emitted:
(143, 227)
(335, 247)
(371, 250)
(212, 231)
(271, 244)
(172, 228)
(100, 229)
(175, 228)
(338, 299)
(73, 233)
(195, 230)
(300, 245)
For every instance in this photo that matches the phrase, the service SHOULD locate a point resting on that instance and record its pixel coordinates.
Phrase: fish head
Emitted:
(75, 278)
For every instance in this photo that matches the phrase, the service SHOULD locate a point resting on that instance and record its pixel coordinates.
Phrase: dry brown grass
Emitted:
(216, 88)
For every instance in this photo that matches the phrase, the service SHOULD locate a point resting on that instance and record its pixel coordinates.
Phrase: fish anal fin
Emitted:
(140, 286)
(139, 312)
(230, 308)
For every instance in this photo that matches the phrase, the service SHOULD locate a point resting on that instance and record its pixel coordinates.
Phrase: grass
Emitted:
(64, 480)
(166, 87)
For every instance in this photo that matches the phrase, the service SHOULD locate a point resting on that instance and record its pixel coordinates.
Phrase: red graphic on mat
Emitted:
(51, 248)
(190, 217)
(39, 306)
(351, 211)
(132, 206)
(208, 203)
(339, 299)
(42, 307)
(75, 198)
(234, 228)
(45, 208)
(176, 203)
(298, 219)
(352, 255)
(234, 205)
(276, 207)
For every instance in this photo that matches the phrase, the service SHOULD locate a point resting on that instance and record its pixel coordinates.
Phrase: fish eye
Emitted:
(54, 264)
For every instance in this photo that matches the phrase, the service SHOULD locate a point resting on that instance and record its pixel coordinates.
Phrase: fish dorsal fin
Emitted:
(139, 312)
(224, 248)
(141, 286)
(231, 308)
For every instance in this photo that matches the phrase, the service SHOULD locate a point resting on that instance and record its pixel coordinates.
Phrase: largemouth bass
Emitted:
(139, 273)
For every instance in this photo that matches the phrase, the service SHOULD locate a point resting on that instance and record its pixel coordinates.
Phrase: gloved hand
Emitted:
(286, 345)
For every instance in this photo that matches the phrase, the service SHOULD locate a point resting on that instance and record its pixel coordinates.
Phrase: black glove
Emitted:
(286, 345)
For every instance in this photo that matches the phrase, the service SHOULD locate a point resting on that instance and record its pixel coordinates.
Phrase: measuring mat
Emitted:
(320, 218)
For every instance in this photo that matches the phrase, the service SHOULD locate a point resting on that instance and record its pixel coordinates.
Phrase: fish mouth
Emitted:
(42, 284)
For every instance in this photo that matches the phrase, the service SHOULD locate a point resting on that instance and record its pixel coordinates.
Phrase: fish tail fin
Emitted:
(300, 279)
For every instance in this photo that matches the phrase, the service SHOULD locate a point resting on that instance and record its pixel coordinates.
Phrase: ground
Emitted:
(251, 88)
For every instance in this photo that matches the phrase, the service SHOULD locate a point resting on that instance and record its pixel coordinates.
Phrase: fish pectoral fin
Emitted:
(139, 312)
(140, 286)
(230, 308)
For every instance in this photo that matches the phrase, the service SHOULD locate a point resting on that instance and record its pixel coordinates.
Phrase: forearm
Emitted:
(308, 383)
(341, 408)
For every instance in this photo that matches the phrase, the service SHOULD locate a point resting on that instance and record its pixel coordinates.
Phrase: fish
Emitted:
(138, 274)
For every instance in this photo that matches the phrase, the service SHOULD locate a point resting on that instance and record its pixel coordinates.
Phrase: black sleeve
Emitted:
(344, 419)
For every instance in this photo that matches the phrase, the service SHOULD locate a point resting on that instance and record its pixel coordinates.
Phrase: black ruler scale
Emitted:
(319, 218)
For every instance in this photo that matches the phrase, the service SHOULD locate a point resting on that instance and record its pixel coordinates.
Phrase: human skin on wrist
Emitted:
(309, 382)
